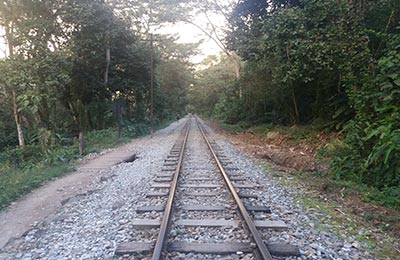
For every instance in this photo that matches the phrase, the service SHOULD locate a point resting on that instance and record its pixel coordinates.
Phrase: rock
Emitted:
(5, 256)
(355, 245)
(92, 225)
(117, 205)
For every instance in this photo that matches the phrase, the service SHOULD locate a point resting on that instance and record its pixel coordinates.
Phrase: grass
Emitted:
(96, 141)
(16, 182)
(350, 209)
(232, 128)
(337, 201)
(22, 170)
(388, 197)
(325, 145)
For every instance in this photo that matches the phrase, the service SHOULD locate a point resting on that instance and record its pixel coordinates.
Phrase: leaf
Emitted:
(388, 152)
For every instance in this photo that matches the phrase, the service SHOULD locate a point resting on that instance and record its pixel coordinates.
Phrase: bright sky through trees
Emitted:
(189, 33)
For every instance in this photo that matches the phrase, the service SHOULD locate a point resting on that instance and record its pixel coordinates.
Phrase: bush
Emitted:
(20, 157)
(373, 137)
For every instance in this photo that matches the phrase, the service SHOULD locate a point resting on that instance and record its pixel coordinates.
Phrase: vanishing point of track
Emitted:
(169, 179)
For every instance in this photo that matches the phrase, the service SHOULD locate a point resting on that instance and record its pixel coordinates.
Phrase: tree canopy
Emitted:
(330, 63)
(68, 62)
(73, 66)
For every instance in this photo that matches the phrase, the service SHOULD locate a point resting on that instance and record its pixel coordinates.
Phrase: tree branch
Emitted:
(215, 31)
(209, 35)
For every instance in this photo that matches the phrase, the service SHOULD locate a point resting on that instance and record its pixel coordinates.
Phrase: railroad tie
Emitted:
(258, 209)
(207, 223)
(206, 248)
(201, 185)
(211, 248)
(198, 179)
(145, 223)
(271, 224)
(202, 207)
(157, 194)
(134, 247)
(245, 186)
(168, 169)
(163, 179)
(164, 175)
(283, 249)
(202, 194)
(161, 185)
(150, 208)
(245, 195)
(237, 178)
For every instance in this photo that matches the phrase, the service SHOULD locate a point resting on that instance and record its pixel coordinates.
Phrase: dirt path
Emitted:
(34, 207)
(37, 205)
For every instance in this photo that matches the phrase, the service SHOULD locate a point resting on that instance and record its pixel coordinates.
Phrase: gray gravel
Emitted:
(91, 226)
(313, 243)
(198, 163)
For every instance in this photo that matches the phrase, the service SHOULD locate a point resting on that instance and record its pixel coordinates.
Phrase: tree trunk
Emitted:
(236, 61)
(81, 143)
(108, 59)
(296, 110)
(9, 28)
(151, 85)
(17, 117)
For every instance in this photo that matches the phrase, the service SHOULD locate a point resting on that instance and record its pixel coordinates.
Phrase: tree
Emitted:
(32, 34)
(8, 22)
(174, 74)
(211, 84)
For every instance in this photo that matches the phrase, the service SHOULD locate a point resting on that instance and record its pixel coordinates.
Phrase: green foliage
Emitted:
(15, 182)
(57, 83)
(21, 157)
(25, 168)
(232, 128)
(56, 78)
(387, 196)
(105, 138)
(212, 86)
(297, 56)
(331, 63)
(373, 139)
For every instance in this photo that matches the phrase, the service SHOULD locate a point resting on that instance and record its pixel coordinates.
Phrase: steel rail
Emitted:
(262, 248)
(164, 227)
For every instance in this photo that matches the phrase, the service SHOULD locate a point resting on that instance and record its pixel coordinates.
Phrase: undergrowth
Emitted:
(24, 169)
(16, 182)
(295, 134)
(329, 146)
(342, 210)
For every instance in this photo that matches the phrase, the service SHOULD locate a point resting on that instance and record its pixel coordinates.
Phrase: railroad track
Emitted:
(199, 208)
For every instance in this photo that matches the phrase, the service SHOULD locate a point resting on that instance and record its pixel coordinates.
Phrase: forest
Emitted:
(331, 64)
(78, 76)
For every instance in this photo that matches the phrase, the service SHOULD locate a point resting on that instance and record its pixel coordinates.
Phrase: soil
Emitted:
(298, 159)
(33, 208)
(281, 149)
(291, 156)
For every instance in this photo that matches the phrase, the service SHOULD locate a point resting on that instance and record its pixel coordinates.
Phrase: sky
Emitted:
(187, 33)
(2, 44)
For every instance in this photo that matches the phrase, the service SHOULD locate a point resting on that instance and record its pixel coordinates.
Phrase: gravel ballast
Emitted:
(91, 226)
